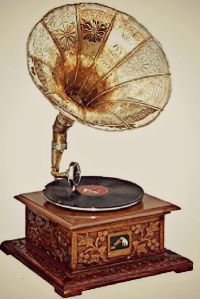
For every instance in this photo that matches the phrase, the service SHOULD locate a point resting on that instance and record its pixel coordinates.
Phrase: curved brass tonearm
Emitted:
(59, 144)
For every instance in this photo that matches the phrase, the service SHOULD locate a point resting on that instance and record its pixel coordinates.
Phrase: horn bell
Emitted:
(99, 66)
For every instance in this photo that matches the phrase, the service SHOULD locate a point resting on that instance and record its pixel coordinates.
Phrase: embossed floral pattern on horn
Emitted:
(99, 66)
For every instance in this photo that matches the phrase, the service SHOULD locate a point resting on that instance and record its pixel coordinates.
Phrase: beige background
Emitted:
(163, 157)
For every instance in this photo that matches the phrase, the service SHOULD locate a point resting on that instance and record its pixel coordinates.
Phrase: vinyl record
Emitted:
(94, 193)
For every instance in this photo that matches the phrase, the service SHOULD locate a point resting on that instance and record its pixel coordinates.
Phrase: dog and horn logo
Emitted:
(119, 242)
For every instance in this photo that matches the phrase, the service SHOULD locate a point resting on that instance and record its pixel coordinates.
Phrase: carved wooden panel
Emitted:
(103, 244)
(120, 241)
(53, 238)
(146, 238)
(92, 247)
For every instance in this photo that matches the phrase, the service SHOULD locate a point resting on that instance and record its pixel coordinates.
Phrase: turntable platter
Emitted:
(94, 193)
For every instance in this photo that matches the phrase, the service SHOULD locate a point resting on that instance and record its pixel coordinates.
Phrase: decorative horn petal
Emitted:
(99, 66)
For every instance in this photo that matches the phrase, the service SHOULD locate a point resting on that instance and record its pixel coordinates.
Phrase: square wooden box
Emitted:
(75, 251)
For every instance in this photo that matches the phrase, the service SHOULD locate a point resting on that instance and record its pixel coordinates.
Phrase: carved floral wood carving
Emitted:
(51, 237)
(92, 247)
(31, 252)
(146, 238)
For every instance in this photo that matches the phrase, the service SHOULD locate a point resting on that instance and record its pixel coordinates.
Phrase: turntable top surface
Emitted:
(149, 206)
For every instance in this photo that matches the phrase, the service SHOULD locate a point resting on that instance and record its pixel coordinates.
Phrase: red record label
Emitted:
(93, 190)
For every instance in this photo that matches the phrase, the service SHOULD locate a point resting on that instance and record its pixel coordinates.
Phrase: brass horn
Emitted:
(97, 66)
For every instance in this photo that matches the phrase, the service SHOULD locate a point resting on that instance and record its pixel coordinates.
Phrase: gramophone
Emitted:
(102, 68)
